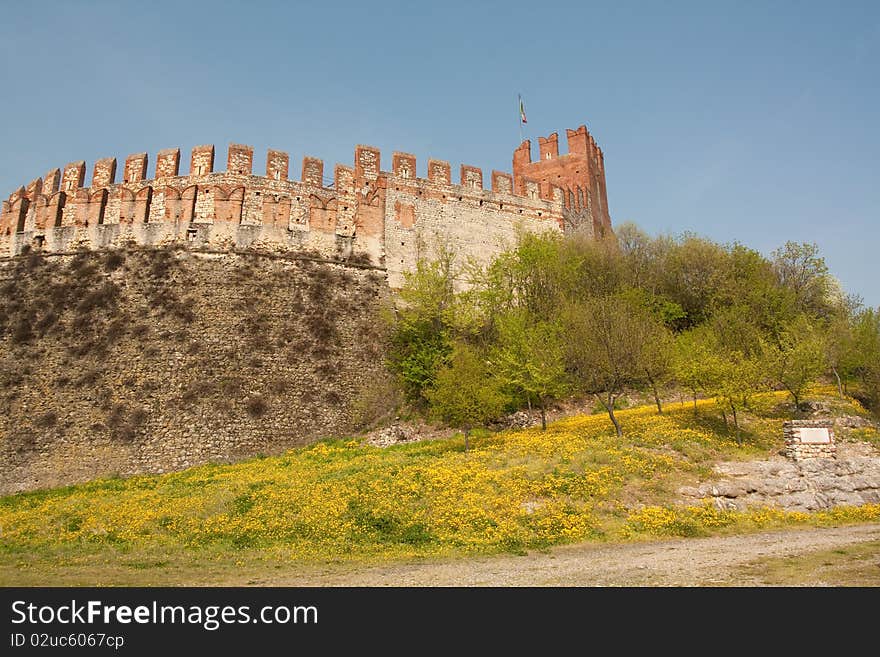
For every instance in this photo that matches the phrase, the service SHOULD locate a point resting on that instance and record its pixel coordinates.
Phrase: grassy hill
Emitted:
(344, 501)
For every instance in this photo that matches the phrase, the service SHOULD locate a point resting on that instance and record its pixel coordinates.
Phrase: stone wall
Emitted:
(386, 218)
(798, 449)
(143, 361)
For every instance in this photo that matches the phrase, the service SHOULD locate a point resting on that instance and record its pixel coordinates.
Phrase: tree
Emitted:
(528, 359)
(800, 269)
(797, 358)
(530, 278)
(737, 379)
(841, 351)
(695, 362)
(422, 325)
(866, 330)
(465, 395)
(691, 272)
(607, 346)
(657, 358)
(639, 254)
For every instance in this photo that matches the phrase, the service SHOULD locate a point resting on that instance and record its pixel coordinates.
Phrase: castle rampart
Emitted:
(387, 218)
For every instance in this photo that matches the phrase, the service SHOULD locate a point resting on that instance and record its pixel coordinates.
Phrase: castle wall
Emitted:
(422, 217)
(387, 218)
(166, 375)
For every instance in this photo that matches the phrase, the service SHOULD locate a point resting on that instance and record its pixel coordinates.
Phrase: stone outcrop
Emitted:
(851, 478)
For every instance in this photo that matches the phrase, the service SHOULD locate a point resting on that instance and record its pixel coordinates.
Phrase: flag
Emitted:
(522, 111)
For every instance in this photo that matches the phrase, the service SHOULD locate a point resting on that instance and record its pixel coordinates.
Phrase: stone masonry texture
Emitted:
(390, 219)
(151, 360)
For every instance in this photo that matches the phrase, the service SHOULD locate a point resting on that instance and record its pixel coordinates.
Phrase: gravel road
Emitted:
(677, 562)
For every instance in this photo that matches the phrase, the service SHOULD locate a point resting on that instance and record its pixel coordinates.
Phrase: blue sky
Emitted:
(747, 121)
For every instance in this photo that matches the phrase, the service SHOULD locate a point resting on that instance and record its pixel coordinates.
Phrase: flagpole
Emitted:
(519, 116)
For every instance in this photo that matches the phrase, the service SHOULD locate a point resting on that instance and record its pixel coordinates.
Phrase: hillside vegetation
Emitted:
(341, 500)
(557, 316)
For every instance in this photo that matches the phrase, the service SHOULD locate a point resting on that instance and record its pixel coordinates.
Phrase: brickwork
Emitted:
(202, 161)
(105, 172)
(277, 165)
(240, 159)
(390, 219)
(580, 173)
(135, 168)
(168, 163)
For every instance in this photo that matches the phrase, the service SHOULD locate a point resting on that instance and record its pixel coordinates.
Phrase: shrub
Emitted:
(46, 322)
(256, 406)
(113, 261)
(102, 298)
(46, 420)
(21, 331)
(279, 386)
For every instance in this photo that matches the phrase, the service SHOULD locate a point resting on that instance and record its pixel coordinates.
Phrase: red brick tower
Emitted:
(580, 173)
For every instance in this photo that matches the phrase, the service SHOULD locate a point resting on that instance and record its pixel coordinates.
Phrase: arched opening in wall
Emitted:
(580, 197)
(22, 215)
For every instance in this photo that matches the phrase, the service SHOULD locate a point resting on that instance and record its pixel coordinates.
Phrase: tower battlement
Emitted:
(389, 218)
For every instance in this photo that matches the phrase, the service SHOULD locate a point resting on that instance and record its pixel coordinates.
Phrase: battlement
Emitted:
(580, 174)
(354, 214)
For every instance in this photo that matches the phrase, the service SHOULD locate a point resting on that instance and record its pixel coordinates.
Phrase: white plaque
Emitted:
(813, 435)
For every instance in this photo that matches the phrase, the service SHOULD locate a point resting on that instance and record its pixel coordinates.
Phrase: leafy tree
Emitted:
(866, 330)
(750, 285)
(691, 272)
(528, 359)
(639, 254)
(695, 363)
(799, 268)
(465, 395)
(842, 349)
(797, 358)
(737, 379)
(657, 358)
(608, 341)
(528, 278)
(423, 322)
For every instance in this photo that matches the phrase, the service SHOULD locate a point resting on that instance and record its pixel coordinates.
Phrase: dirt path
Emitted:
(679, 562)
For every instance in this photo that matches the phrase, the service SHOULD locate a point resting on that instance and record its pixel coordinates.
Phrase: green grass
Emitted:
(855, 565)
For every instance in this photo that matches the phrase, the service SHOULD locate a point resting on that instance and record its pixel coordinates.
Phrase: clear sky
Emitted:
(748, 121)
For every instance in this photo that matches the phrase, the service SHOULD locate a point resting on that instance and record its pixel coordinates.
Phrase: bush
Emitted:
(102, 298)
(21, 331)
(47, 420)
(125, 423)
(256, 406)
(113, 261)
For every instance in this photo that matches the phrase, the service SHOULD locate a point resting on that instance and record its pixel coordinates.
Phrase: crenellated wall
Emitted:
(580, 173)
(386, 218)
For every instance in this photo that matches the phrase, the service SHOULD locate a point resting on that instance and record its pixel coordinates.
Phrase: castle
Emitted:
(139, 360)
(388, 219)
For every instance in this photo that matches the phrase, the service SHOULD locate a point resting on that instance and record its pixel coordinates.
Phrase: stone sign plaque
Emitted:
(813, 435)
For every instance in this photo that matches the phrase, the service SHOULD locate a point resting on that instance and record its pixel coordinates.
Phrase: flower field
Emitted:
(341, 500)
